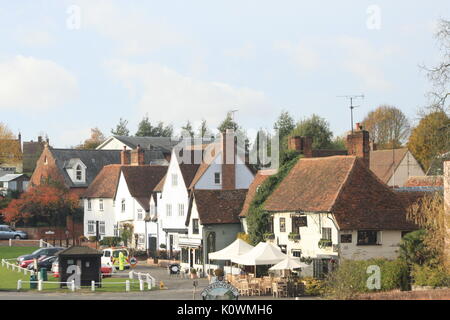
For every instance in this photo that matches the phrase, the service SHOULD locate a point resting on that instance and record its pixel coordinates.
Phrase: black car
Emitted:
(47, 263)
(52, 251)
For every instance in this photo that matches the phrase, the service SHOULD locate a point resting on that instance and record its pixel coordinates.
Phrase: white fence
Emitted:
(15, 267)
(42, 243)
(147, 277)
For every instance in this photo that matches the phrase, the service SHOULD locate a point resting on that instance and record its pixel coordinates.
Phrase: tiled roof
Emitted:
(160, 185)
(79, 250)
(218, 206)
(105, 184)
(260, 177)
(343, 186)
(425, 181)
(164, 144)
(384, 162)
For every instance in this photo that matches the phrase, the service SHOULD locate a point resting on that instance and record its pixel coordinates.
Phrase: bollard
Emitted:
(149, 285)
(127, 285)
(39, 285)
(73, 285)
(10, 242)
(39, 276)
(41, 243)
(19, 285)
(25, 271)
(131, 274)
(141, 284)
(93, 285)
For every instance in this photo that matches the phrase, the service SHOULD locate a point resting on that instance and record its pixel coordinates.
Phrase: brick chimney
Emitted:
(358, 144)
(301, 145)
(229, 151)
(137, 156)
(125, 156)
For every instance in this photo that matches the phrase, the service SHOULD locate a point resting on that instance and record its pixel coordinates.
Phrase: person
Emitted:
(121, 261)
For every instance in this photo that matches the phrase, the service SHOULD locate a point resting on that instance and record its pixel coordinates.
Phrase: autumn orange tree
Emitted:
(10, 151)
(46, 203)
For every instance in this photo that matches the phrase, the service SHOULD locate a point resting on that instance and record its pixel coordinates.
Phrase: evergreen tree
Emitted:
(121, 128)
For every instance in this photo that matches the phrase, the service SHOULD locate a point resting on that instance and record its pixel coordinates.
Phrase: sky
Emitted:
(69, 66)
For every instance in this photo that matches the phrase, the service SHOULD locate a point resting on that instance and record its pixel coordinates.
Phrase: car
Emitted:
(51, 251)
(111, 257)
(26, 263)
(43, 262)
(6, 232)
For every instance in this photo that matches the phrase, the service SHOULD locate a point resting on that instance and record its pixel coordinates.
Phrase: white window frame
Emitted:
(139, 214)
(123, 206)
(100, 204)
(168, 209)
(101, 228)
(91, 227)
(89, 205)
(174, 179)
(181, 209)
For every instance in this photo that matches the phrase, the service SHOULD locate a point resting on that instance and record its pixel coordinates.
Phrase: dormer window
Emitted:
(79, 173)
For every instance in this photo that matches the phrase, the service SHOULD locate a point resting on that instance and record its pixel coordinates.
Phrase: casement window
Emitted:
(168, 210)
(198, 256)
(282, 224)
(217, 177)
(174, 179)
(181, 209)
(321, 268)
(368, 237)
(100, 204)
(91, 226)
(101, 227)
(78, 173)
(141, 238)
(296, 253)
(195, 226)
(185, 255)
(298, 222)
(326, 233)
(89, 205)
(346, 238)
(123, 207)
(139, 214)
(116, 230)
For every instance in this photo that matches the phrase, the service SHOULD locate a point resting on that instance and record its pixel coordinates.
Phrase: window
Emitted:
(101, 227)
(139, 214)
(195, 228)
(298, 222)
(89, 205)
(217, 177)
(100, 204)
(141, 238)
(326, 233)
(78, 173)
(45, 160)
(174, 179)
(181, 209)
(282, 224)
(368, 237)
(296, 253)
(168, 210)
(321, 268)
(107, 253)
(198, 256)
(116, 230)
(346, 238)
(123, 205)
(91, 226)
(185, 255)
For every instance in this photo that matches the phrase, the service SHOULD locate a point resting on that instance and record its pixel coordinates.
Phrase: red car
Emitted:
(25, 263)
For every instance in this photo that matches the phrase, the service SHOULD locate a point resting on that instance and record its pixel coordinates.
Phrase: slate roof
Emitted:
(31, 152)
(94, 160)
(11, 177)
(141, 181)
(384, 162)
(259, 179)
(164, 144)
(218, 206)
(343, 186)
(79, 250)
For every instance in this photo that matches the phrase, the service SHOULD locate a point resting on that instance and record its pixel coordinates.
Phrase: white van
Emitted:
(111, 257)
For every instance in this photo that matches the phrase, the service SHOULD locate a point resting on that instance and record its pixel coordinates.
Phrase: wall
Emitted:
(36, 233)
(114, 144)
(46, 170)
(408, 167)
(107, 216)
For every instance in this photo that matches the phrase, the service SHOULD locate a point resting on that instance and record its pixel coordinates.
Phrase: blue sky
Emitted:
(68, 66)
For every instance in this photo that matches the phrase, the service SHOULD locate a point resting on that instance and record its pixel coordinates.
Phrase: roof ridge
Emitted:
(346, 179)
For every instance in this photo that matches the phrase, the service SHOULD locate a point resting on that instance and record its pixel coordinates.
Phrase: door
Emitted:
(152, 246)
(191, 258)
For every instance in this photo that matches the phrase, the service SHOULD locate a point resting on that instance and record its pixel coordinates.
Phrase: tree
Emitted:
(187, 130)
(45, 203)
(439, 75)
(146, 129)
(317, 128)
(10, 149)
(430, 138)
(121, 128)
(284, 124)
(388, 127)
(228, 123)
(96, 139)
(203, 130)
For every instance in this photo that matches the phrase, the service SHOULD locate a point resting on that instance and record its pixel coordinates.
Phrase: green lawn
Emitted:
(14, 252)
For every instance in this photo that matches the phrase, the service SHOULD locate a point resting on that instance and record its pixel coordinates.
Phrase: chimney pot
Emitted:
(125, 156)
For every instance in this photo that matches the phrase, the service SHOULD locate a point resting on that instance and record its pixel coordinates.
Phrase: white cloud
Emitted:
(302, 55)
(134, 32)
(365, 61)
(172, 97)
(244, 52)
(28, 83)
(35, 38)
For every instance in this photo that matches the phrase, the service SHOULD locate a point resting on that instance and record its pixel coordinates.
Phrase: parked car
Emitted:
(6, 232)
(111, 257)
(26, 263)
(39, 253)
(44, 262)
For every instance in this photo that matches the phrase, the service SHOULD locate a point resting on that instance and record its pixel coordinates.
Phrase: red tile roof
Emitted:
(218, 206)
(260, 177)
(105, 184)
(425, 181)
(343, 186)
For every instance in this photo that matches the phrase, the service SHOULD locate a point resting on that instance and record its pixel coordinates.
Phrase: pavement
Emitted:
(178, 288)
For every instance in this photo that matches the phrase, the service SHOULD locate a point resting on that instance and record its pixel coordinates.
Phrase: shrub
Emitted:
(92, 238)
(434, 276)
(110, 241)
(313, 286)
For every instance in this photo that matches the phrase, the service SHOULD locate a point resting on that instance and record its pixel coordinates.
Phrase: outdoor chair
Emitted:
(244, 288)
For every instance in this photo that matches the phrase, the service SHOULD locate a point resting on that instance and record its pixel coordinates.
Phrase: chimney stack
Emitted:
(358, 144)
(301, 145)
(137, 156)
(39, 139)
(125, 156)
(229, 151)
